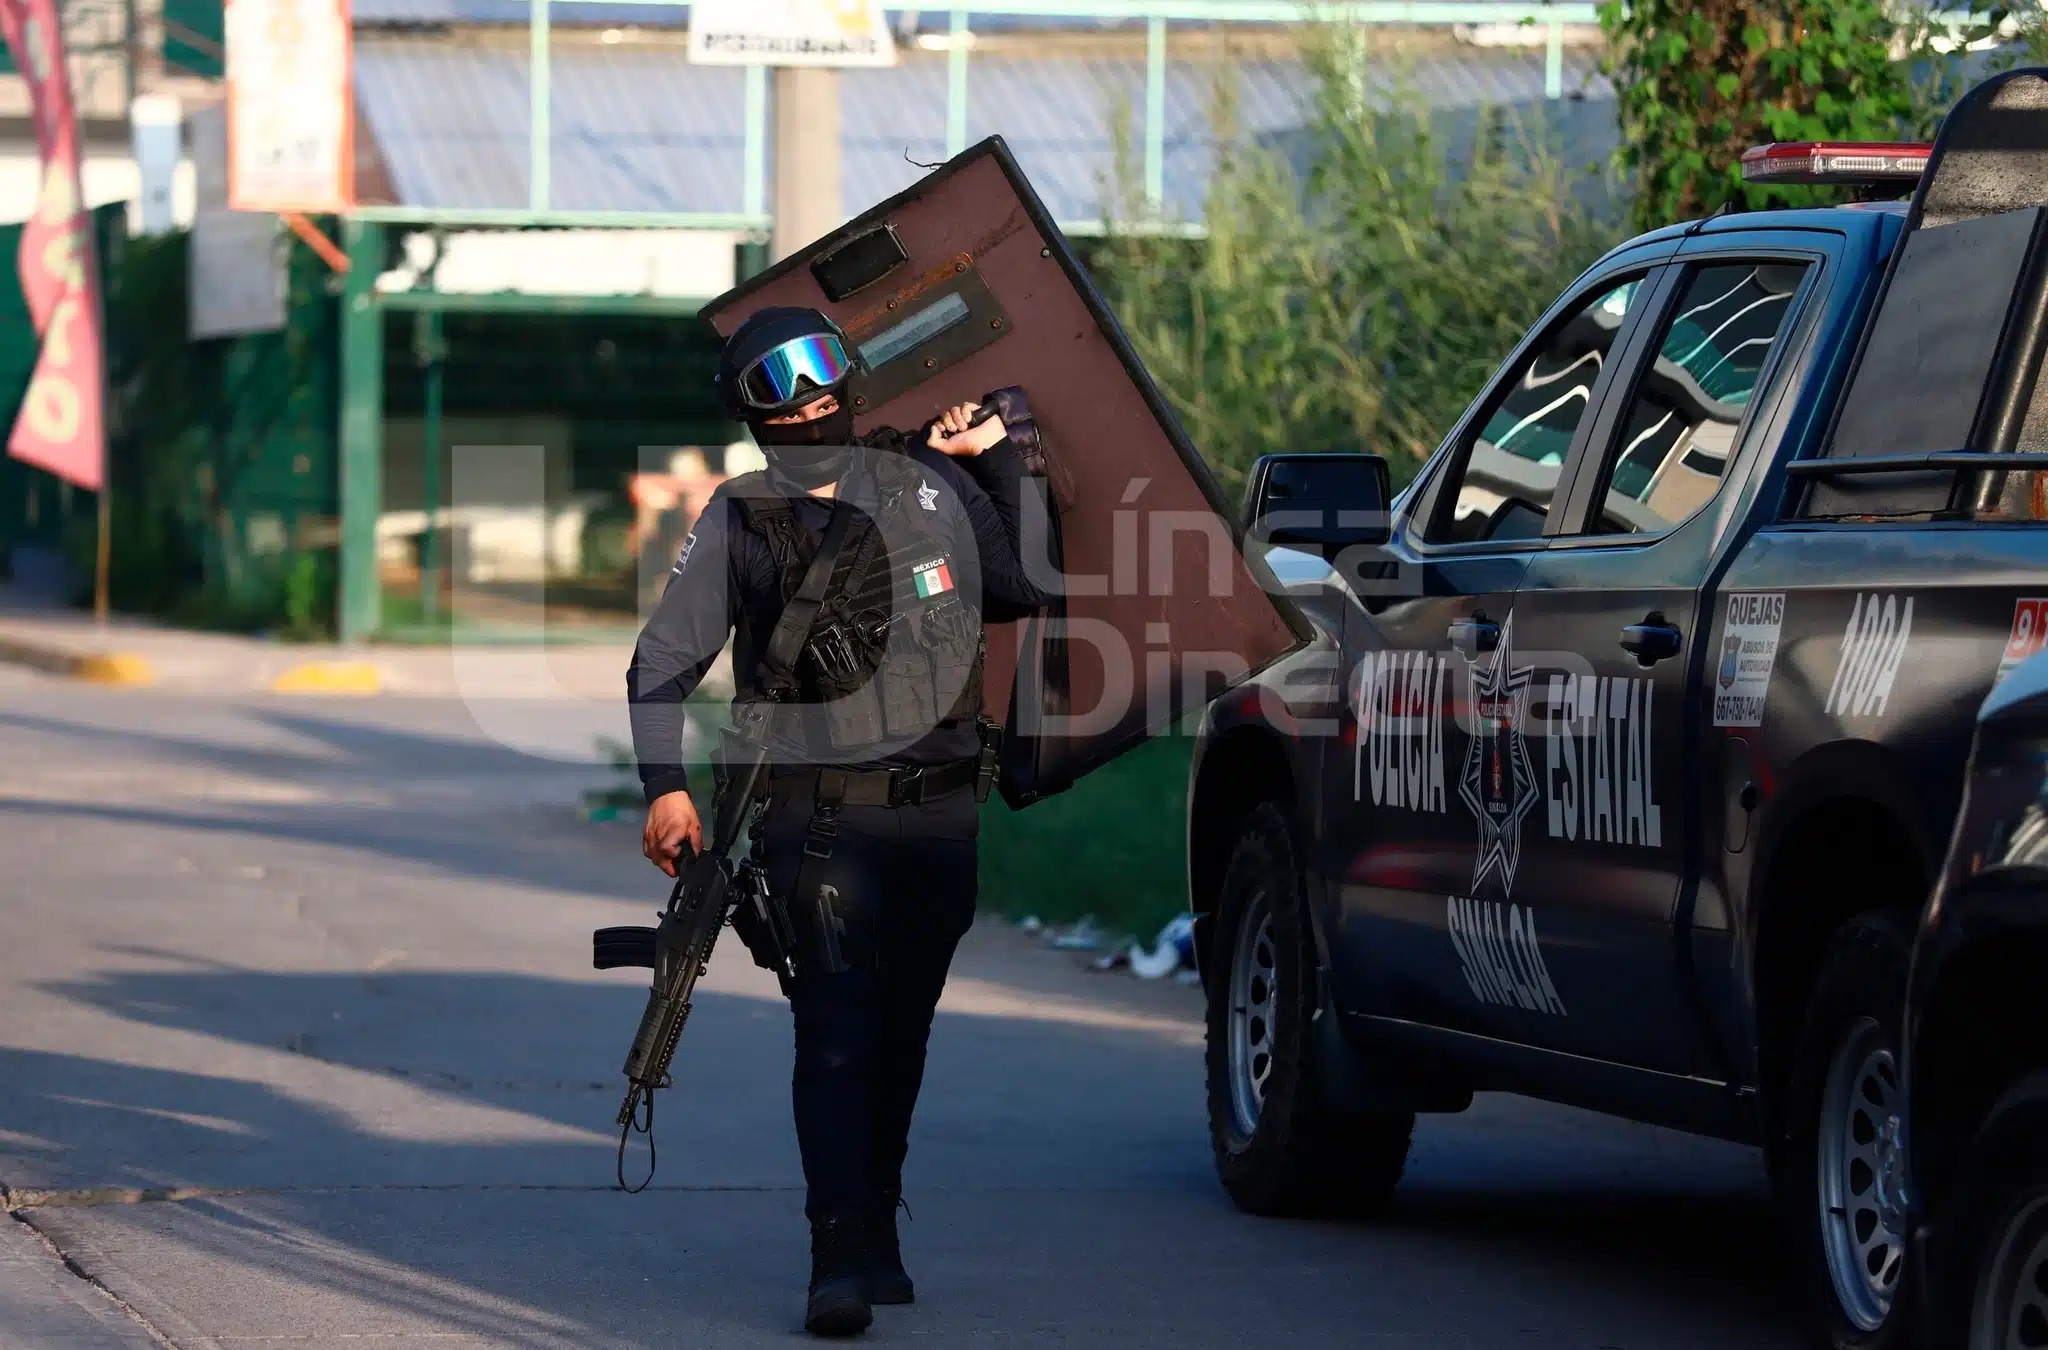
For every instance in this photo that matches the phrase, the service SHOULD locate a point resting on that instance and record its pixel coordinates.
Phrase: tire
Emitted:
(1991, 1268)
(1843, 1087)
(1279, 1148)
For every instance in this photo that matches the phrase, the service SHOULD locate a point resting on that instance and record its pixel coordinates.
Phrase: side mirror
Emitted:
(1322, 504)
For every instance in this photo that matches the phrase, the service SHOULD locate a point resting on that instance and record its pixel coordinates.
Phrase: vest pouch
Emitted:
(909, 704)
(853, 721)
(960, 677)
(951, 634)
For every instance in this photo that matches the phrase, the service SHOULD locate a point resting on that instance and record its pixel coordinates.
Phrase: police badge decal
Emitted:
(1499, 783)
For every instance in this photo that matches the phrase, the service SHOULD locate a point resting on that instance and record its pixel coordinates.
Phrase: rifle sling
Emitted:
(793, 630)
(800, 613)
(778, 668)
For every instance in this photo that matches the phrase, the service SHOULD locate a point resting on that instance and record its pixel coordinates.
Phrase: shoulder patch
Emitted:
(927, 495)
(683, 559)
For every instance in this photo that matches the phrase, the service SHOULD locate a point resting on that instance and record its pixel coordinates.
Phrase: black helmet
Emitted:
(780, 359)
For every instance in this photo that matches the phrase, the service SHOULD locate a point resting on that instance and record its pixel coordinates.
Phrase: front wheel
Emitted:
(1839, 1100)
(1992, 1267)
(1279, 1147)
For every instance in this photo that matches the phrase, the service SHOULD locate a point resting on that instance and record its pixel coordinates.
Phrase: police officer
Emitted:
(869, 833)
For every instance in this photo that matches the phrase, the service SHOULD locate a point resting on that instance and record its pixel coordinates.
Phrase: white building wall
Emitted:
(109, 177)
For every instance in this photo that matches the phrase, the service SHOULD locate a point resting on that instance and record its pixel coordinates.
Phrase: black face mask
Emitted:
(809, 454)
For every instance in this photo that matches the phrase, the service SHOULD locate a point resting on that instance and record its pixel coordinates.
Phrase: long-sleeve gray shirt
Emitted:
(726, 580)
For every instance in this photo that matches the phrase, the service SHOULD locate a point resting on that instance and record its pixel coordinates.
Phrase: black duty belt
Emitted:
(910, 785)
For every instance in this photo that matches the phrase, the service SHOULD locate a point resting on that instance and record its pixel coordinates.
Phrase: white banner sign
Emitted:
(291, 120)
(789, 33)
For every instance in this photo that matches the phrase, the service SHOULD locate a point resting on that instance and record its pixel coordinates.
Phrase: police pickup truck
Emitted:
(1625, 760)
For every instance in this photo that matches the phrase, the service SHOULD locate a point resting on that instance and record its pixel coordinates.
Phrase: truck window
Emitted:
(1933, 371)
(1681, 425)
(1509, 471)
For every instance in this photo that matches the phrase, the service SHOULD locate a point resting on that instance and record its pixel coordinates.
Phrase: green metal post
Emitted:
(1553, 63)
(754, 188)
(362, 430)
(956, 85)
(1155, 116)
(749, 260)
(428, 350)
(539, 113)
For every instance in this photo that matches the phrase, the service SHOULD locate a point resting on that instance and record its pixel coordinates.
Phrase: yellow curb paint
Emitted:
(330, 677)
(113, 668)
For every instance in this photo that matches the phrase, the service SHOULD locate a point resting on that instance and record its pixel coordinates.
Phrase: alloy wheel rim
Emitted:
(1863, 1252)
(2011, 1308)
(1251, 1015)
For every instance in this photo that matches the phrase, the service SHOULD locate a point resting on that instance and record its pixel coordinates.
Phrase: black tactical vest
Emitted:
(896, 648)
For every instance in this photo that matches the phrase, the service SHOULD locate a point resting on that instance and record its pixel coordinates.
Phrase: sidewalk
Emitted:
(45, 1306)
(129, 651)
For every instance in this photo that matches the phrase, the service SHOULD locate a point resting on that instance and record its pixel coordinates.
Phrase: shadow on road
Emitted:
(405, 1151)
(502, 846)
(445, 800)
(372, 1112)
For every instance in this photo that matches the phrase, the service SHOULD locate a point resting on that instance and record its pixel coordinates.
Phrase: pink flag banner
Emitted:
(60, 427)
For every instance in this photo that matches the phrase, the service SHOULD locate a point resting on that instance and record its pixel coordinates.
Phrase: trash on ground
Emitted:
(1082, 936)
(1172, 950)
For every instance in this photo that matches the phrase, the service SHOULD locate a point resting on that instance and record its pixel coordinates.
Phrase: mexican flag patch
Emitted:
(932, 578)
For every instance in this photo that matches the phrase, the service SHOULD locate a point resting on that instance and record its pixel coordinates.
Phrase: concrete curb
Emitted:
(330, 677)
(113, 667)
(96, 667)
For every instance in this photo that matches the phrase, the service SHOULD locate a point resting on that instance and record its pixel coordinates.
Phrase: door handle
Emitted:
(1474, 635)
(1651, 640)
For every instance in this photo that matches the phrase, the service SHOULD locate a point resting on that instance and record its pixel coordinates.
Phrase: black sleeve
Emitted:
(992, 487)
(682, 638)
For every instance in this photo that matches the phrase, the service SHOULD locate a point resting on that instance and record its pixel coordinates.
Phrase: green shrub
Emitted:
(1112, 846)
(1700, 81)
(310, 588)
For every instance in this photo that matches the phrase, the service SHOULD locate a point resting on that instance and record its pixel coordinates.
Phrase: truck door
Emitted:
(1429, 801)
(1608, 637)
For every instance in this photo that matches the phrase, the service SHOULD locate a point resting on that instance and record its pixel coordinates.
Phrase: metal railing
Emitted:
(1157, 16)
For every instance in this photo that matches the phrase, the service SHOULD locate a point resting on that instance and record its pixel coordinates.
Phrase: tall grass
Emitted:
(1359, 281)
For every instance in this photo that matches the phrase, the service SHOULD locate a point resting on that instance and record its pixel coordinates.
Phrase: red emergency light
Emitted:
(1840, 162)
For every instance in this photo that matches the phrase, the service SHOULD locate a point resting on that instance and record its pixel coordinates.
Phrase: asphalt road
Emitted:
(299, 1045)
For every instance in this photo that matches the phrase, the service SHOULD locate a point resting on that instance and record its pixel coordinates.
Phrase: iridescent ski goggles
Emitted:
(797, 371)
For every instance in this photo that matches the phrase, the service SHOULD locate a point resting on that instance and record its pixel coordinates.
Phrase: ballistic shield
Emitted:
(962, 286)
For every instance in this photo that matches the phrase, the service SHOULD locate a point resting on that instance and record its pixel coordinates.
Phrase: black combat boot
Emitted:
(839, 1277)
(888, 1281)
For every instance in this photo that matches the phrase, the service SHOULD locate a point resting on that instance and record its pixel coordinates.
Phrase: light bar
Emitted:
(1845, 162)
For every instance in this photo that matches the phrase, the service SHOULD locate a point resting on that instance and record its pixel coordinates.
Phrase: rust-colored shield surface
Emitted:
(961, 286)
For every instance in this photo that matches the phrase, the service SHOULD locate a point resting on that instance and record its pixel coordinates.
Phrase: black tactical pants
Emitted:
(905, 879)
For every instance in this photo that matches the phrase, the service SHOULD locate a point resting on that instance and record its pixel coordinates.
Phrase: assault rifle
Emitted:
(710, 891)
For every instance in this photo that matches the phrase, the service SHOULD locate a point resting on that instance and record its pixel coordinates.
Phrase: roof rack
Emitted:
(1848, 163)
(1938, 461)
